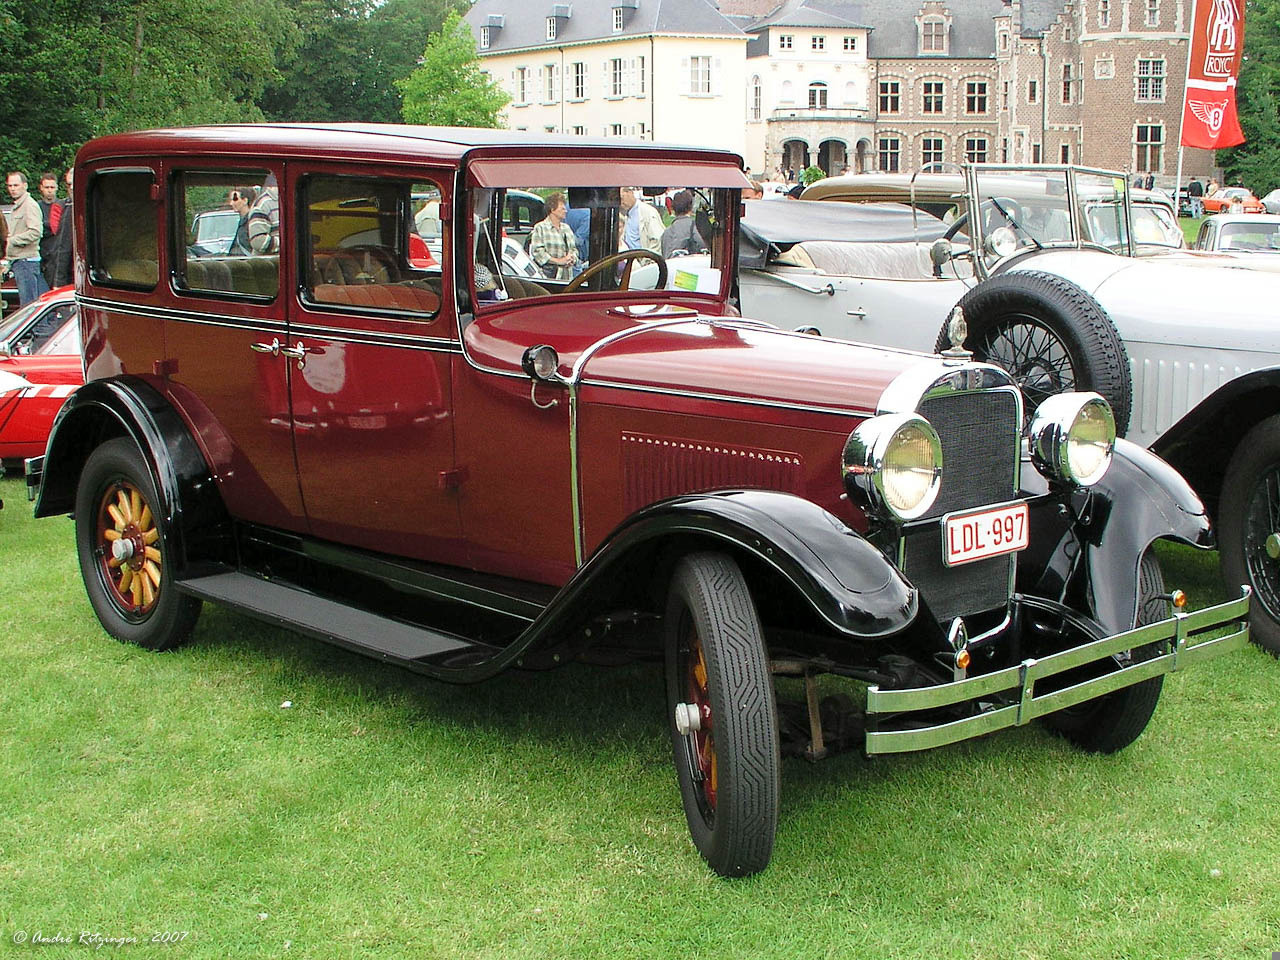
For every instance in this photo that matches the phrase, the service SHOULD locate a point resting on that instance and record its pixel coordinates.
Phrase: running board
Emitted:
(411, 646)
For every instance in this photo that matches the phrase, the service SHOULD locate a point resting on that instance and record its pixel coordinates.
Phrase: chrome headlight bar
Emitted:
(893, 462)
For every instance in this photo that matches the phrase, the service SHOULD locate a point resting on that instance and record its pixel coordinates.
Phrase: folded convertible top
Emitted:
(772, 226)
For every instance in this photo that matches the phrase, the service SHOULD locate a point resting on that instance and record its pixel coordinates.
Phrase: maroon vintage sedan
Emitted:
(462, 471)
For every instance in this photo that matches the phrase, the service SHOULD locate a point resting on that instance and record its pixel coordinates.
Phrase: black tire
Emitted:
(730, 770)
(161, 617)
(1114, 721)
(1050, 335)
(1248, 514)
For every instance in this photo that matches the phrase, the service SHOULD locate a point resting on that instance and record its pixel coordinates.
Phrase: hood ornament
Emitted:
(957, 332)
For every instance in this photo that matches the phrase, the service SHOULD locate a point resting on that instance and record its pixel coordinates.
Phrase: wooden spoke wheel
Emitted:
(125, 557)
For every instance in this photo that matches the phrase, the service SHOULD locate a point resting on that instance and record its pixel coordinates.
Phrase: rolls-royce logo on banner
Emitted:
(1209, 106)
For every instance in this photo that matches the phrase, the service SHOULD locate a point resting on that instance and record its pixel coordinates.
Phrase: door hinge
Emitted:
(453, 479)
(165, 368)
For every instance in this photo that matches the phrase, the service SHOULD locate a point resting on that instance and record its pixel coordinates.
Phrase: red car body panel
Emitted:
(27, 409)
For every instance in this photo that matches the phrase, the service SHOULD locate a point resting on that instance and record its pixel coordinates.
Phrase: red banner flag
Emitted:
(1217, 46)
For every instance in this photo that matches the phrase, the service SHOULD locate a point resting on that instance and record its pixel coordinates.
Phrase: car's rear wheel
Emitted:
(1050, 335)
(1114, 721)
(721, 707)
(124, 551)
(1249, 529)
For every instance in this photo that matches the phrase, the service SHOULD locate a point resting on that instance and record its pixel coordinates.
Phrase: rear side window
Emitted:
(228, 233)
(372, 244)
(123, 249)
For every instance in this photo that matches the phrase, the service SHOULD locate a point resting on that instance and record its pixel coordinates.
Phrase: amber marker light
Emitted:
(962, 659)
(1179, 599)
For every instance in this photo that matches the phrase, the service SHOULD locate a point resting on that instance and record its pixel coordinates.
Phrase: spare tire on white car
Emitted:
(1051, 335)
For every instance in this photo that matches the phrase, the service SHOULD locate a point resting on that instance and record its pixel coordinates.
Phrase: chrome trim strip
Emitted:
(1023, 677)
(752, 401)
(188, 316)
(921, 382)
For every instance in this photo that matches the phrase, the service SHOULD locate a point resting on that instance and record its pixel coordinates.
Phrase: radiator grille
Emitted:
(981, 434)
(655, 468)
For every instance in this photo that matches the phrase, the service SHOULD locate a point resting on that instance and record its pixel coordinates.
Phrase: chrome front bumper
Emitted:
(1007, 698)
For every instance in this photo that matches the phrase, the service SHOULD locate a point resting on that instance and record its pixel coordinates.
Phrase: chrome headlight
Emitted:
(895, 462)
(1072, 437)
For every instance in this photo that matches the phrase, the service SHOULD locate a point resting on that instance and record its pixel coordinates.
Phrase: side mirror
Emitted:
(542, 363)
(940, 252)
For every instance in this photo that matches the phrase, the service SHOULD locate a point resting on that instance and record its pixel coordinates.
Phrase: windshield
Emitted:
(1262, 236)
(564, 240)
(29, 329)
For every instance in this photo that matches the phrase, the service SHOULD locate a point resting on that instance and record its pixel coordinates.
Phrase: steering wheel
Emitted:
(626, 256)
(1008, 208)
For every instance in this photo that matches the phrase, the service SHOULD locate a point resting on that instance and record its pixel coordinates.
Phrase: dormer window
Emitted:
(617, 19)
(484, 38)
(933, 36)
(551, 28)
(622, 10)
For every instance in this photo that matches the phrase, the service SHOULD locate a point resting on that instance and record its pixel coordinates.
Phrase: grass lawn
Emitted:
(383, 814)
(1190, 228)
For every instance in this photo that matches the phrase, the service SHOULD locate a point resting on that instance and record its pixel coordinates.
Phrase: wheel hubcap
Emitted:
(129, 550)
(696, 717)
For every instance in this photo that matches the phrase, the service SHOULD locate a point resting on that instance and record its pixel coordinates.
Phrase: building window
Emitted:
(1033, 91)
(975, 96)
(1104, 13)
(484, 38)
(1035, 153)
(933, 36)
(579, 80)
(1149, 139)
(700, 75)
(818, 43)
(617, 76)
(550, 128)
(549, 83)
(579, 131)
(890, 96)
(1068, 82)
(616, 130)
(551, 28)
(1004, 96)
(932, 101)
(1153, 13)
(817, 96)
(1004, 42)
(1150, 81)
(617, 19)
(756, 98)
(640, 81)
(850, 44)
(1066, 153)
(644, 132)
(522, 85)
(890, 154)
(785, 41)
(1104, 68)
(975, 149)
(1004, 150)
(931, 150)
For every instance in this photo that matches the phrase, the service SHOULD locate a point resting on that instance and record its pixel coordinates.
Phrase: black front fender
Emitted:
(1110, 526)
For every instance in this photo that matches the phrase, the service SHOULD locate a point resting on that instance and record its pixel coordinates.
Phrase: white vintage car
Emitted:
(1054, 270)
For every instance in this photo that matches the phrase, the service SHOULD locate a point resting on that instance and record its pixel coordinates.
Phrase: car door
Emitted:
(369, 349)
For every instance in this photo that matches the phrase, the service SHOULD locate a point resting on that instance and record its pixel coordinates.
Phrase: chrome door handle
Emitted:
(272, 348)
(297, 352)
(859, 313)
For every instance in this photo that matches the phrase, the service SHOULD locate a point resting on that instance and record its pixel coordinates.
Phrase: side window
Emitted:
(123, 248)
(372, 243)
(227, 233)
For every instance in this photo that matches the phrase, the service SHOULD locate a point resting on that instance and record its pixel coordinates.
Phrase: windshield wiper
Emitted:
(1014, 223)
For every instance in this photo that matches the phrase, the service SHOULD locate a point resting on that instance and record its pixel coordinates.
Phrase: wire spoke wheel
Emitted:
(1033, 355)
(1248, 519)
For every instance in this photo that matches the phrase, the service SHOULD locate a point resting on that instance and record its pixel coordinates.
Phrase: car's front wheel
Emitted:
(1114, 721)
(1249, 529)
(123, 549)
(721, 707)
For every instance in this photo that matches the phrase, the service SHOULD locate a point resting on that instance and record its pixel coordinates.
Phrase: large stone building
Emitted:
(857, 84)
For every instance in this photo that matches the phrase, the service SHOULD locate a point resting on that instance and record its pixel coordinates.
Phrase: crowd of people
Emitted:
(36, 238)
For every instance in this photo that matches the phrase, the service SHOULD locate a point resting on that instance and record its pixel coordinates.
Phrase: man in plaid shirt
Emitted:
(552, 244)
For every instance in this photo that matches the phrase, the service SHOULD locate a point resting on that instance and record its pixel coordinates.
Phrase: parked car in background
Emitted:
(1271, 202)
(463, 471)
(1233, 200)
(1240, 233)
(214, 230)
(39, 369)
(1055, 292)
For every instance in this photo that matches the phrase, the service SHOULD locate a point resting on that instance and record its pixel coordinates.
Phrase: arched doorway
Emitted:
(861, 156)
(832, 157)
(795, 158)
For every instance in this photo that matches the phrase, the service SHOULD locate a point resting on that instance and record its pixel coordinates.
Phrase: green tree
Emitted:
(448, 87)
(811, 175)
(1256, 162)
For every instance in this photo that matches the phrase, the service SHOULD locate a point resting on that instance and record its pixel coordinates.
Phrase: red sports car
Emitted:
(39, 368)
